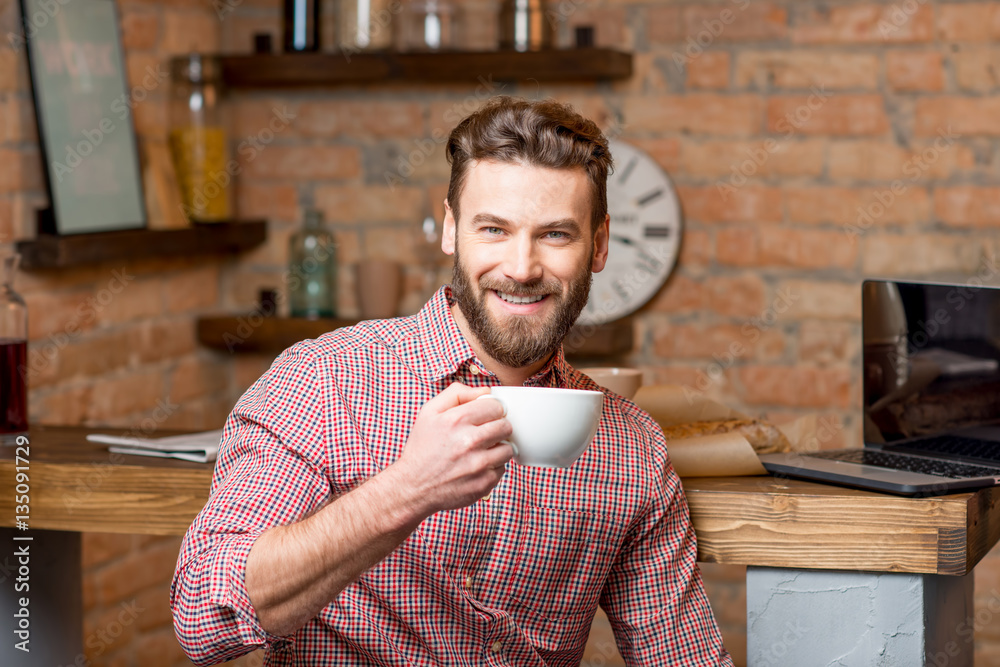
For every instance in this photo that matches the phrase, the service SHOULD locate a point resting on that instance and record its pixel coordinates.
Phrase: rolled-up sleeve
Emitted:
(272, 470)
(654, 596)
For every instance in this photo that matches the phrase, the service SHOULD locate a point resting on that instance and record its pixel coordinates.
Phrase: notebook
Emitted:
(931, 394)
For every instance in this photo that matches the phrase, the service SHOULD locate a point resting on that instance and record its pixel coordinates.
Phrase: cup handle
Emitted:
(504, 406)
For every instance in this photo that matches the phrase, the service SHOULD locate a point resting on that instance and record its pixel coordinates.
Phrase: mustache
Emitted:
(515, 288)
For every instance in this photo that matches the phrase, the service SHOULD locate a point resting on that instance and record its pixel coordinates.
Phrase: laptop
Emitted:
(931, 394)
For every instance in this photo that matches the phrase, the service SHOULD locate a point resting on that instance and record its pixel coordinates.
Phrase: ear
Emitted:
(601, 245)
(448, 230)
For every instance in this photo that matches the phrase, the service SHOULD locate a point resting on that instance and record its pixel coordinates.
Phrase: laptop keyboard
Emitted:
(957, 445)
(910, 463)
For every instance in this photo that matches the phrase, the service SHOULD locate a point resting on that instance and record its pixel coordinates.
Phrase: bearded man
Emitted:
(365, 508)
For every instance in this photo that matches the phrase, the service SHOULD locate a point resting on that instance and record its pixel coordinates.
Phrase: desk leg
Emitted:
(55, 598)
(823, 617)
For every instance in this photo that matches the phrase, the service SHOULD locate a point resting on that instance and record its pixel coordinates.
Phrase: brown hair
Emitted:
(543, 134)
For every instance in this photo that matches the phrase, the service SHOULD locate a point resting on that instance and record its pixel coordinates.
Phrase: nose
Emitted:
(522, 262)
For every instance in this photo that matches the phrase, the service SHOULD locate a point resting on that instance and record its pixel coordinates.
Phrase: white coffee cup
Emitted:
(552, 427)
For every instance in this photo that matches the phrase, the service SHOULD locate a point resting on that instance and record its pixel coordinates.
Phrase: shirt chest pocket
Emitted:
(564, 559)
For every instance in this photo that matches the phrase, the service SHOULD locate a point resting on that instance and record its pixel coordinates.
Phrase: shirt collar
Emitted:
(448, 350)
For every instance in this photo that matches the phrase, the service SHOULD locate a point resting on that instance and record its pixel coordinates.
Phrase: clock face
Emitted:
(645, 236)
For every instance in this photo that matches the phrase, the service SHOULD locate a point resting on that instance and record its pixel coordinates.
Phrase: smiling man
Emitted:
(365, 508)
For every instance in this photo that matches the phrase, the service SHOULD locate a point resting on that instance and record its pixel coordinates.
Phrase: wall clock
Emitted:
(645, 236)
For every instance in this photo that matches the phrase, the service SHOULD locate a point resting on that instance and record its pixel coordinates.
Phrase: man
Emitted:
(365, 509)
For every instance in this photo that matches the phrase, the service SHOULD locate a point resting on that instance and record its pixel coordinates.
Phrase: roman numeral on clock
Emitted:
(656, 232)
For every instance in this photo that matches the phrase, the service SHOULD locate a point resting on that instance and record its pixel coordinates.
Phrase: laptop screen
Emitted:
(931, 358)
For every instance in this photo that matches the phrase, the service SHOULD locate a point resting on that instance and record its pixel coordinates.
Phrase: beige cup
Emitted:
(378, 283)
(552, 427)
(623, 381)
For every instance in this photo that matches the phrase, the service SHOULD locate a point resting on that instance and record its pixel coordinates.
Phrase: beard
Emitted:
(517, 341)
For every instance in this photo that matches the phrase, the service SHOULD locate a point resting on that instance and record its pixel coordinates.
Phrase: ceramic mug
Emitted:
(623, 381)
(552, 427)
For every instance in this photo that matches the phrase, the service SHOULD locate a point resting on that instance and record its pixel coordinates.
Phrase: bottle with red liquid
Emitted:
(13, 355)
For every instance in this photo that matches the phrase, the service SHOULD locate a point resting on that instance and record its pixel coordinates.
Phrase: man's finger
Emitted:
(456, 394)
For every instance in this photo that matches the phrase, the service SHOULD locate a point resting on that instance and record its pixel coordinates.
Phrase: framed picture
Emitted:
(84, 111)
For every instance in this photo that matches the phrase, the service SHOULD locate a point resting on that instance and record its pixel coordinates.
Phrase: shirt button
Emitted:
(496, 646)
(468, 581)
(474, 369)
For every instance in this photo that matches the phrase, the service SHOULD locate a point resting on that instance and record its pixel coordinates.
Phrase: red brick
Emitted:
(822, 113)
(921, 255)
(97, 353)
(116, 303)
(13, 67)
(957, 115)
(238, 30)
(822, 300)
(185, 31)
(299, 163)
(195, 377)
(750, 203)
(818, 205)
(710, 70)
(729, 23)
(272, 202)
(914, 70)
(361, 119)
(796, 386)
(360, 204)
(58, 314)
(735, 296)
(120, 396)
(21, 169)
(976, 68)
(685, 376)
(61, 407)
(100, 548)
(737, 246)
(859, 209)
(665, 152)
(139, 31)
(828, 343)
(807, 249)
(681, 294)
(864, 24)
(803, 69)
(158, 649)
(733, 160)
(19, 121)
(968, 206)
(878, 160)
(966, 22)
(122, 580)
(165, 338)
(696, 249)
(192, 290)
(264, 119)
(608, 24)
(698, 113)
(665, 24)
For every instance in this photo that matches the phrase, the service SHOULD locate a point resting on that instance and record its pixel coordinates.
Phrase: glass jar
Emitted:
(524, 26)
(426, 25)
(198, 142)
(366, 25)
(13, 356)
(312, 256)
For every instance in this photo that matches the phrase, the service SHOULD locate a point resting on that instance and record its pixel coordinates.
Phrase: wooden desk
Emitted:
(770, 524)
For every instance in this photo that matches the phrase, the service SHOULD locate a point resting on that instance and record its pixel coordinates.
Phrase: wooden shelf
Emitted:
(252, 333)
(49, 251)
(326, 69)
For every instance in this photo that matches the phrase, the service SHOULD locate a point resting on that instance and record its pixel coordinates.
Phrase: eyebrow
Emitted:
(568, 224)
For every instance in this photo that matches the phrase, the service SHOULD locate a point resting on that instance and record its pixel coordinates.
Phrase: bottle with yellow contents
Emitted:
(198, 141)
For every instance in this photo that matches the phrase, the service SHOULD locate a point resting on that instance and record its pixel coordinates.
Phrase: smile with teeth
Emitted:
(512, 298)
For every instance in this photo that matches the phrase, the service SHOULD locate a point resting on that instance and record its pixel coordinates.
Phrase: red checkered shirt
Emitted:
(514, 579)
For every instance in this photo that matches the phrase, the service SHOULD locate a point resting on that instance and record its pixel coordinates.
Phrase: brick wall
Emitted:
(812, 144)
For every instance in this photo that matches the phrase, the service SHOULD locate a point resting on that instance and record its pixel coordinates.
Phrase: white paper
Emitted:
(198, 447)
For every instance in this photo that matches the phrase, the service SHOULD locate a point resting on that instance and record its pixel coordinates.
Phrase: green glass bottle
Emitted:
(312, 257)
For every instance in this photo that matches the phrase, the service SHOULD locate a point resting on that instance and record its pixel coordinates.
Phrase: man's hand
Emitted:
(454, 455)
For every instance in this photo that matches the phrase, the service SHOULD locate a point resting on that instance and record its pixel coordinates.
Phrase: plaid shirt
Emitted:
(514, 579)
